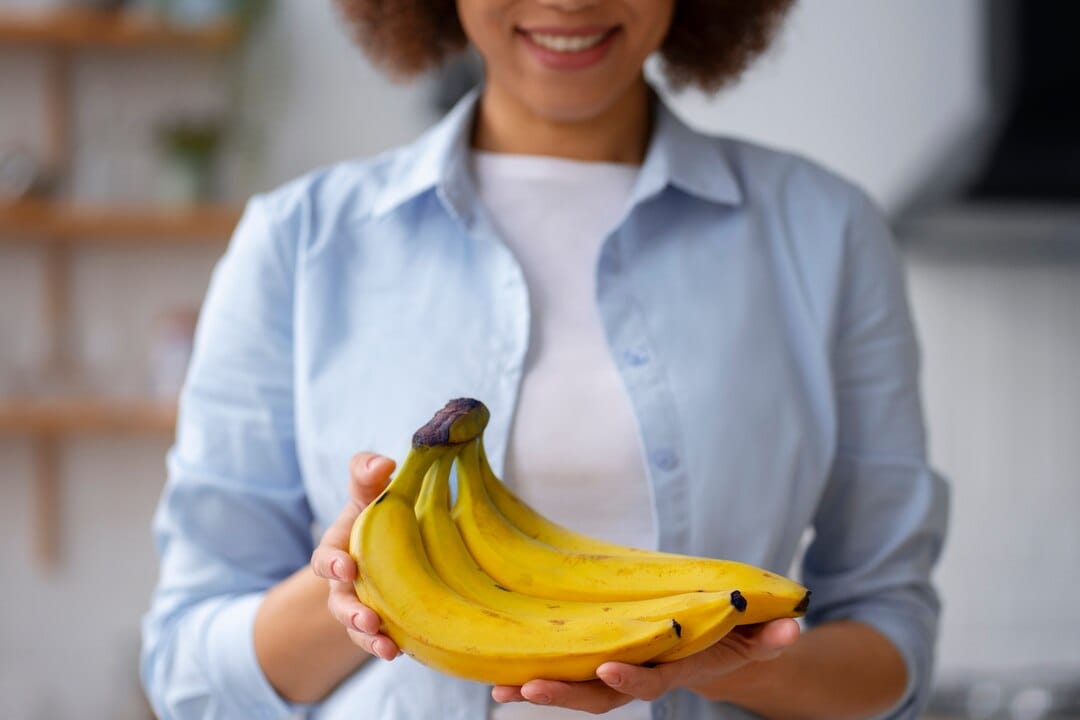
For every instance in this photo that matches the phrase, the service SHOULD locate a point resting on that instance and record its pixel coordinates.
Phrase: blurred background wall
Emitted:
(882, 92)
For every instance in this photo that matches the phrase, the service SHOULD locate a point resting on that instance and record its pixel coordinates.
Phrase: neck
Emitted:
(618, 134)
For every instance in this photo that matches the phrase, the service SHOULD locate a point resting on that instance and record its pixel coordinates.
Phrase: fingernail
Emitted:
(382, 649)
(612, 679)
(371, 461)
(334, 569)
(355, 620)
(540, 699)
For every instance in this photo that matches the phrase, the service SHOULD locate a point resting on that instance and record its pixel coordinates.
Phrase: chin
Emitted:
(568, 104)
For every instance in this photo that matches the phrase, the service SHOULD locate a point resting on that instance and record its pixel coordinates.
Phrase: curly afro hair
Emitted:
(710, 42)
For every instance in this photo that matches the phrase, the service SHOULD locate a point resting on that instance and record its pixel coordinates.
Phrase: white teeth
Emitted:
(567, 43)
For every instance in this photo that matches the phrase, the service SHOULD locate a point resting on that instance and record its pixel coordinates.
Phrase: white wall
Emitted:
(318, 100)
(1001, 344)
(875, 90)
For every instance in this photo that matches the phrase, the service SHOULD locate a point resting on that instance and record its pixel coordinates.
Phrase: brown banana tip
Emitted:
(738, 601)
(678, 628)
(804, 603)
(459, 421)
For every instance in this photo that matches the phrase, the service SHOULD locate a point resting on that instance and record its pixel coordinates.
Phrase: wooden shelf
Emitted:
(46, 422)
(60, 417)
(74, 223)
(61, 224)
(119, 30)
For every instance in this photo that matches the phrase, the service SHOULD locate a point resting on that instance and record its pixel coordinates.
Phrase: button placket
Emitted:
(650, 396)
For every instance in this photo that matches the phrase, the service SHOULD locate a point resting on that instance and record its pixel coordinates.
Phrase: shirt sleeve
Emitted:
(233, 519)
(881, 522)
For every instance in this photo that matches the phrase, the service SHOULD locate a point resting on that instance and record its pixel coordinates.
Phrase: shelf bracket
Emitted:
(58, 310)
(58, 116)
(47, 502)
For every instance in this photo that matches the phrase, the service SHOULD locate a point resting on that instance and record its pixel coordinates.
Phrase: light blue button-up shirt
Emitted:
(753, 303)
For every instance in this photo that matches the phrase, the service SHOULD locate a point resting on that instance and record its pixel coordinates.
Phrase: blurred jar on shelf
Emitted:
(189, 151)
(196, 12)
(170, 352)
(96, 4)
(18, 369)
(22, 174)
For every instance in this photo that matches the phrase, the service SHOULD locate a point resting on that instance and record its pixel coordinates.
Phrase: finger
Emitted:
(592, 696)
(349, 611)
(781, 634)
(368, 475)
(507, 694)
(336, 536)
(743, 645)
(766, 641)
(378, 645)
(640, 682)
(331, 563)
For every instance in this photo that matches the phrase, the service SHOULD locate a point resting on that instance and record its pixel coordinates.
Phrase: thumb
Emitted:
(765, 641)
(369, 474)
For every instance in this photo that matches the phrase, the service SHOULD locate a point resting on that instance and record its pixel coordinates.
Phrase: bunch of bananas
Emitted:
(489, 590)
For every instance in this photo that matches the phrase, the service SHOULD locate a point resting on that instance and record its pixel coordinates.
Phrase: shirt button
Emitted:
(607, 264)
(665, 459)
(632, 358)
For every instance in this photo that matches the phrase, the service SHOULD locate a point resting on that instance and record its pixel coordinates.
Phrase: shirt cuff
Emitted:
(233, 667)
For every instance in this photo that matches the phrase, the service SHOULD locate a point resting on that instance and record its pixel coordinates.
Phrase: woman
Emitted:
(686, 342)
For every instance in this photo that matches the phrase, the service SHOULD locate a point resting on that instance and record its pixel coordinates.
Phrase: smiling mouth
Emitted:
(568, 42)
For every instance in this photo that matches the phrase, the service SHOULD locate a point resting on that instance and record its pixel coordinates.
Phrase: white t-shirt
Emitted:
(574, 453)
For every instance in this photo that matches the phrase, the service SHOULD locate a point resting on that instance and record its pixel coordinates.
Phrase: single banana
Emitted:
(446, 631)
(703, 618)
(538, 527)
(517, 559)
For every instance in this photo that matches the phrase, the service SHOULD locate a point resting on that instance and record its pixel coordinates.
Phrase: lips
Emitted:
(566, 43)
(568, 48)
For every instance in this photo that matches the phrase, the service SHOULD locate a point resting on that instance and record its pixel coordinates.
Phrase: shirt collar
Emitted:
(686, 159)
(677, 156)
(438, 159)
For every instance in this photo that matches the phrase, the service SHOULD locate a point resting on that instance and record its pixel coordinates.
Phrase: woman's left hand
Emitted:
(620, 683)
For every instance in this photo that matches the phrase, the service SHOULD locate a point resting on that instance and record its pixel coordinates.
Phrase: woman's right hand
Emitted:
(368, 476)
